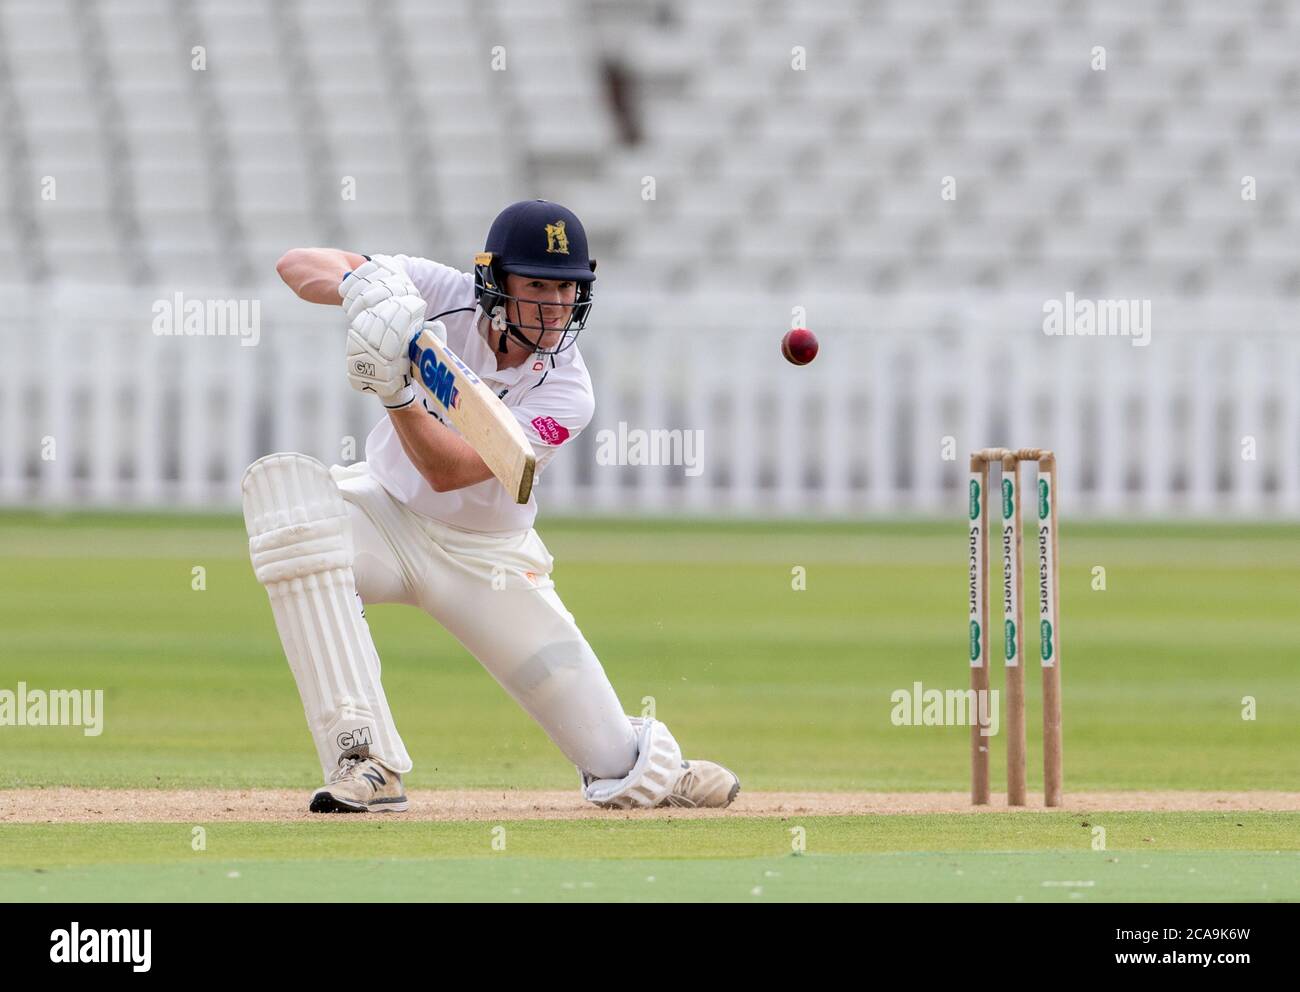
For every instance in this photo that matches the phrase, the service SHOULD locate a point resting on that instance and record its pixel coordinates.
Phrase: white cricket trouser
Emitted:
(496, 597)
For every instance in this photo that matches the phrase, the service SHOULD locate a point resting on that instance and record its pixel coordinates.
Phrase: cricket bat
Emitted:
(470, 406)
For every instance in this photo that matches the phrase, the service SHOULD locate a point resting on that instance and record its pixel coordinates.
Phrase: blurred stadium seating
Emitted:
(774, 188)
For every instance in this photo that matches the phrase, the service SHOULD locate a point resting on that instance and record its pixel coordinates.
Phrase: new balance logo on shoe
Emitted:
(360, 785)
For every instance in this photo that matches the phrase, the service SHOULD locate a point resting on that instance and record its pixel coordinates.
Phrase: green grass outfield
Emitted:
(953, 857)
(791, 688)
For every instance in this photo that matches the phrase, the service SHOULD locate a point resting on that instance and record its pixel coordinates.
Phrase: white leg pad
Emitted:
(657, 769)
(300, 542)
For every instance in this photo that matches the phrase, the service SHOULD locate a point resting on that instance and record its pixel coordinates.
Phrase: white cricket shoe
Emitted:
(703, 785)
(360, 785)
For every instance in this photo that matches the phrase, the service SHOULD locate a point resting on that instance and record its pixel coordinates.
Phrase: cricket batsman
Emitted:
(422, 521)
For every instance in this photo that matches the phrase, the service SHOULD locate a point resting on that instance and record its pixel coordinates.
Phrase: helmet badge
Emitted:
(556, 240)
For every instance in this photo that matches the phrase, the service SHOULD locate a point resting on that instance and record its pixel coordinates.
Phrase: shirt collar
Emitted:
(484, 356)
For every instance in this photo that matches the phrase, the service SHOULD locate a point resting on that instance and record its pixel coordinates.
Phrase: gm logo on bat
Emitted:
(435, 375)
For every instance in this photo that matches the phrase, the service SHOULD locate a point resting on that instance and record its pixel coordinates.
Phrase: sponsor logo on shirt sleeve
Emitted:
(551, 431)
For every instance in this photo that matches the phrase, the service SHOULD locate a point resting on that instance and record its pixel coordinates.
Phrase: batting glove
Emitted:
(378, 342)
(380, 278)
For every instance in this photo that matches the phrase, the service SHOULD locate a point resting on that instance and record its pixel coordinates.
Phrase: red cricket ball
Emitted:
(799, 346)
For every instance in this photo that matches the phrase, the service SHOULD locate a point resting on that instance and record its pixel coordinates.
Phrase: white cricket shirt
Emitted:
(550, 396)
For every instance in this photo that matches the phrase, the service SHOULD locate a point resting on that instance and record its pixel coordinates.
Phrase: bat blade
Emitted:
(468, 404)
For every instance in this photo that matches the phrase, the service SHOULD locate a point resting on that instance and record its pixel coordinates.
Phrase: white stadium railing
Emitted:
(98, 411)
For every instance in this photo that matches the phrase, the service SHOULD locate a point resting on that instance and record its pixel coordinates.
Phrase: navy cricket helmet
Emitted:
(542, 240)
